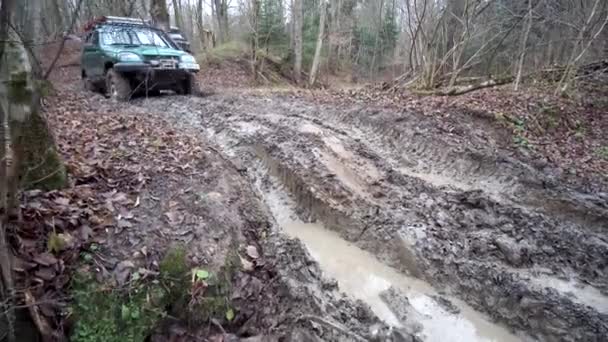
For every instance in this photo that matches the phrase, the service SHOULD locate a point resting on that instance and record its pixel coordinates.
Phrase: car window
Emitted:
(95, 38)
(133, 36)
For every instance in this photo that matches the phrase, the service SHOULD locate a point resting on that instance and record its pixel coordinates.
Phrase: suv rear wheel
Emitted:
(118, 86)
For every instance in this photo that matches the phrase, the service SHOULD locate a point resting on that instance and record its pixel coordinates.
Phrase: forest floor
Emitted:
(333, 215)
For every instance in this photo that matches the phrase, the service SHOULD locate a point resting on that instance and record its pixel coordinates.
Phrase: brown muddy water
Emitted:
(362, 276)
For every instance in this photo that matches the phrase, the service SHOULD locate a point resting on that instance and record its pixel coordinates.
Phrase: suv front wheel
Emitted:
(189, 86)
(118, 86)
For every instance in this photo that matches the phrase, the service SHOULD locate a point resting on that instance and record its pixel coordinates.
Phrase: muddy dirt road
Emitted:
(447, 239)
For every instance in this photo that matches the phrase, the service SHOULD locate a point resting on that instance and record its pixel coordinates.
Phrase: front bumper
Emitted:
(147, 68)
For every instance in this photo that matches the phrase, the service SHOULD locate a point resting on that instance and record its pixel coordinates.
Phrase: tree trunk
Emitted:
(333, 33)
(6, 268)
(177, 14)
(36, 162)
(297, 37)
(159, 14)
(254, 37)
(372, 65)
(58, 16)
(524, 42)
(220, 8)
(317, 59)
(199, 24)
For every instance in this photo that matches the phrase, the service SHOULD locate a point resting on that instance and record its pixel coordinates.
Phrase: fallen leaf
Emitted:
(246, 264)
(124, 224)
(55, 243)
(200, 274)
(230, 314)
(62, 201)
(125, 312)
(45, 259)
(174, 218)
(252, 252)
(46, 273)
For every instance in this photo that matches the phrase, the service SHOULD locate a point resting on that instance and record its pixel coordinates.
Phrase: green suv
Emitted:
(124, 56)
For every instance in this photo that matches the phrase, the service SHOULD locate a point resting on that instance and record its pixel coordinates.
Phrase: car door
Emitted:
(85, 58)
(91, 57)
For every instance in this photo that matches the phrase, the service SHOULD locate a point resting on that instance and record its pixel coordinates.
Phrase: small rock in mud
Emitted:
(446, 304)
(510, 249)
(329, 285)
(405, 312)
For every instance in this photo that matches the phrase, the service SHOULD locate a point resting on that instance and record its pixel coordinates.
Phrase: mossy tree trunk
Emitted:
(36, 162)
(40, 166)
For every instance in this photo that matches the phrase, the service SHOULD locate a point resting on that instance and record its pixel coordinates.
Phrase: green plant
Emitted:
(519, 131)
(549, 116)
(521, 141)
(104, 314)
(602, 152)
(579, 130)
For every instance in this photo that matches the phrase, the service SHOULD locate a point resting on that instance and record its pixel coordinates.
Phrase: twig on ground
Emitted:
(48, 334)
(332, 325)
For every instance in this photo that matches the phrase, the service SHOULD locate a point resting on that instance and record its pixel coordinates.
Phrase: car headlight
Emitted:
(129, 57)
(188, 59)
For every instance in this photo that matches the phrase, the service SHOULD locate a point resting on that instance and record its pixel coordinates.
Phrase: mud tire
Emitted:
(118, 87)
(189, 86)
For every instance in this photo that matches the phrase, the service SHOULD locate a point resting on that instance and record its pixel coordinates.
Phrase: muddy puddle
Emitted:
(362, 276)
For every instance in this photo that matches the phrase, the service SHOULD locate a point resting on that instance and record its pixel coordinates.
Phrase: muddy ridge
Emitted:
(507, 238)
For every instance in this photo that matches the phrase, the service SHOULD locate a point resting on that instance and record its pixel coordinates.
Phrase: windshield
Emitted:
(114, 35)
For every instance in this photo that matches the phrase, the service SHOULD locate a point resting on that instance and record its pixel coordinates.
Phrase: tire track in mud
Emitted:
(461, 165)
(417, 207)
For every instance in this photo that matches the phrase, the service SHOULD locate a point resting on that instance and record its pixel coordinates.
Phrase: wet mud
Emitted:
(434, 233)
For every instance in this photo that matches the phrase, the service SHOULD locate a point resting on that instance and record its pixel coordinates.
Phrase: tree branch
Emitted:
(62, 44)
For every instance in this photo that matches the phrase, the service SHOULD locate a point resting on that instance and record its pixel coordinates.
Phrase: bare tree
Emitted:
(159, 14)
(297, 14)
(314, 69)
(255, 15)
(177, 13)
(524, 42)
(580, 47)
(7, 288)
(220, 9)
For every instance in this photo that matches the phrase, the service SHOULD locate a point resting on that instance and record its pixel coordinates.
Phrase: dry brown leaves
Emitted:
(111, 151)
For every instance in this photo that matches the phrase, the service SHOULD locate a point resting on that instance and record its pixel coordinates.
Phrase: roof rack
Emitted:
(115, 20)
(125, 20)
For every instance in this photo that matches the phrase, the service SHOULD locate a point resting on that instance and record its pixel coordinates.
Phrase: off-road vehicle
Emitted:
(125, 56)
(178, 37)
